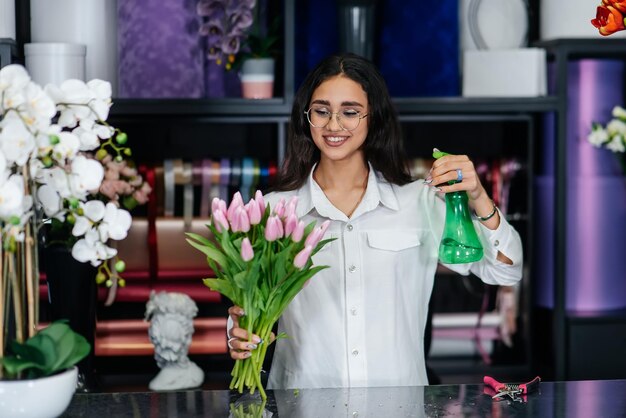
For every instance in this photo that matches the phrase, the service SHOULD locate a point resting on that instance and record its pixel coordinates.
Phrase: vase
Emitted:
(88, 22)
(45, 397)
(72, 295)
(357, 25)
(493, 24)
(55, 62)
(571, 19)
(257, 78)
(7, 19)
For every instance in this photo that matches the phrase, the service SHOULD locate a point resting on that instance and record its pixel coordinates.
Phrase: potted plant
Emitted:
(239, 40)
(54, 147)
(257, 63)
(40, 376)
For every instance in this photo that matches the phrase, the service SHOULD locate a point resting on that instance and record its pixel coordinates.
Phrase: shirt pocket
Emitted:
(393, 240)
(394, 254)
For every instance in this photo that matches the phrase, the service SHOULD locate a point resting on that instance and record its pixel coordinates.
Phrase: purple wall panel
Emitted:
(161, 54)
(596, 198)
(596, 222)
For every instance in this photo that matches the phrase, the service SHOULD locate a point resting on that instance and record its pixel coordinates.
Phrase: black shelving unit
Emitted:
(275, 112)
(562, 51)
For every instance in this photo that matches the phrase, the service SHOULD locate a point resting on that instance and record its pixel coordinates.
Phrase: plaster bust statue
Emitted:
(171, 327)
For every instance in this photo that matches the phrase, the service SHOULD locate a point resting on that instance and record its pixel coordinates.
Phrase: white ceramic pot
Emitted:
(89, 22)
(47, 397)
(493, 24)
(55, 62)
(569, 19)
(257, 78)
(7, 19)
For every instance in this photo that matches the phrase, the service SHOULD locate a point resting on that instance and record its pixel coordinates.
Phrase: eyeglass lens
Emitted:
(348, 119)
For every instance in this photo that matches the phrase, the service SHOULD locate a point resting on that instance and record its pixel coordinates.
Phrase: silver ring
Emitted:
(229, 344)
(459, 175)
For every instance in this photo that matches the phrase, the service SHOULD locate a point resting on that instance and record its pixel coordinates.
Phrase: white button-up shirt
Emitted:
(361, 321)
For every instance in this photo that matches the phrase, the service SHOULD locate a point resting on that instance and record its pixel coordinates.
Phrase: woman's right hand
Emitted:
(239, 344)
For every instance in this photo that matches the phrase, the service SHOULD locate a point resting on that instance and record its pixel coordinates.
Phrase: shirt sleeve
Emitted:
(504, 239)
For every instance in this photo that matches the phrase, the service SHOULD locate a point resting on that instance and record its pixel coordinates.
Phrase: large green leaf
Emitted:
(71, 347)
(52, 349)
(49, 349)
(14, 365)
(80, 349)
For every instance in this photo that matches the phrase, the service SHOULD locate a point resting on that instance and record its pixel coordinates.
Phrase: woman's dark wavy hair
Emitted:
(383, 146)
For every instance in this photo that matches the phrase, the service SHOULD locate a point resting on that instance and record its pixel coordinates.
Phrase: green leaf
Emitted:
(199, 238)
(321, 244)
(210, 251)
(292, 287)
(70, 346)
(224, 287)
(231, 252)
(14, 365)
(80, 349)
(25, 357)
(52, 349)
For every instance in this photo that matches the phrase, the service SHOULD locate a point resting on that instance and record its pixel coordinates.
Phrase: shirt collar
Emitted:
(379, 191)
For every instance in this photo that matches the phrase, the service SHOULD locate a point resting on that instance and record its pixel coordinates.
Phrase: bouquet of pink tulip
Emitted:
(261, 258)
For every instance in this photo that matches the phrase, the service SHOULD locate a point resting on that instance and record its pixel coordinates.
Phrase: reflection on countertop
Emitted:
(577, 399)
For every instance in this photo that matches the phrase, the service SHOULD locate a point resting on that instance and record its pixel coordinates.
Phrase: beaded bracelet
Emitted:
(486, 218)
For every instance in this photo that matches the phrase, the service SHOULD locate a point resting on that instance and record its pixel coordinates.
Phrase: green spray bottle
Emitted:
(460, 242)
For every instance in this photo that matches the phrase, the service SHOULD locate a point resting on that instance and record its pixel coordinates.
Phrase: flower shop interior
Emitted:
(526, 95)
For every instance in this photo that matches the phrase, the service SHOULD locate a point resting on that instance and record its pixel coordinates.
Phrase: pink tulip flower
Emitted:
(254, 212)
(273, 228)
(240, 221)
(258, 196)
(219, 221)
(290, 224)
(247, 253)
(317, 234)
(298, 232)
(279, 209)
(218, 204)
(291, 206)
(234, 204)
(302, 257)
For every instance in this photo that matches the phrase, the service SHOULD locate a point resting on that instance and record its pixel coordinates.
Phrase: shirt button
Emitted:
(355, 352)
(353, 311)
(496, 243)
(350, 227)
(352, 268)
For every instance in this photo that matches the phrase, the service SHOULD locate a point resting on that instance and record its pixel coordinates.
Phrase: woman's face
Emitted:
(345, 102)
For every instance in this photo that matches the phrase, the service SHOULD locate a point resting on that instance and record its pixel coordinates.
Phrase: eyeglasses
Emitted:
(347, 119)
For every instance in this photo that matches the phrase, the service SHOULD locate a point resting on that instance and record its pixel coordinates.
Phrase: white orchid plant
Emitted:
(612, 136)
(53, 144)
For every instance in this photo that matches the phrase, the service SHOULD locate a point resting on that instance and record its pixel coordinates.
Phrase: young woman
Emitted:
(361, 321)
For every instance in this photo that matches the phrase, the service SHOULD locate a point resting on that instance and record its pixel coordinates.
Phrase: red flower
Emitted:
(608, 20)
(618, 4)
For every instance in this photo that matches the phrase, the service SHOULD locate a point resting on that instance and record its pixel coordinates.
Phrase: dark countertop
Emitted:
(578, 399)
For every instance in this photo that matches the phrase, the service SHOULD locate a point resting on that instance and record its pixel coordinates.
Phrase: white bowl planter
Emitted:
(46, 397)
(257, 78)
